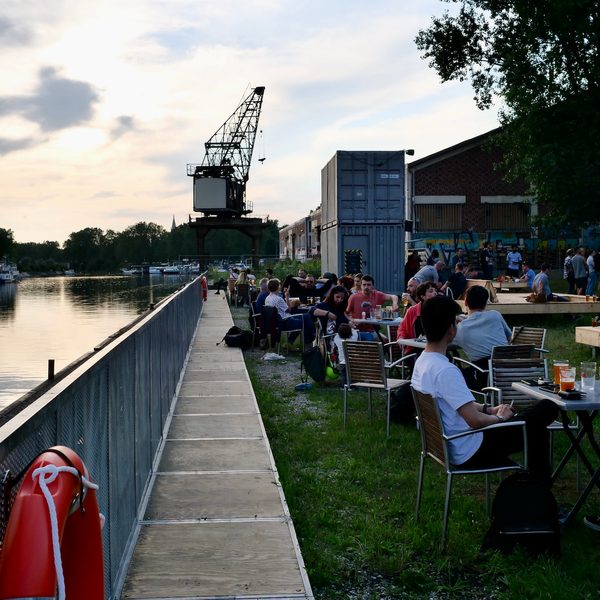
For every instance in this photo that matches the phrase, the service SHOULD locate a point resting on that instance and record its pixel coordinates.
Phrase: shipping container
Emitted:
(363, 216)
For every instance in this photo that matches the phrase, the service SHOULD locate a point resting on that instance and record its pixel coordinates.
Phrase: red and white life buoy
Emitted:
(204, 285)
(53, 541)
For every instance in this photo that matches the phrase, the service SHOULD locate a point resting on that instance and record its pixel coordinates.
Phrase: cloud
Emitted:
(125, 123)
(12, 34)
(7, 146)
(57, 103)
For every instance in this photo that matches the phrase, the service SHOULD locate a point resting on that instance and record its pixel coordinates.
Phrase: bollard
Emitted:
(50, 368)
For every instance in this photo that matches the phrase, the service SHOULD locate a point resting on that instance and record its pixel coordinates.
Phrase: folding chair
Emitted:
(366, 368)
(435, 445)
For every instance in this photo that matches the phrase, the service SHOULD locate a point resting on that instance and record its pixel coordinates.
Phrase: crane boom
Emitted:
(220, 180)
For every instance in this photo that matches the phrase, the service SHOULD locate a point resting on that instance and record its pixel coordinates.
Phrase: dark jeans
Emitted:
(474, 379)
(499, 443)
(295, 322)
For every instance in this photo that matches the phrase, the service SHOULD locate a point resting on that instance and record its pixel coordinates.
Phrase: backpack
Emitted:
(402, 405)
(313, 363)
(237, 338)
(524, 513)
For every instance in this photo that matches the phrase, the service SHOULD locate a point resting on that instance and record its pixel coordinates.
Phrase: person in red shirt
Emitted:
(407, 329)
(365, 302)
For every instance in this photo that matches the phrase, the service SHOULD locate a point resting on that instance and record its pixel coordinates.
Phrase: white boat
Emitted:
(153, 270)
(8, 272)
(131, 271)
(172, 270)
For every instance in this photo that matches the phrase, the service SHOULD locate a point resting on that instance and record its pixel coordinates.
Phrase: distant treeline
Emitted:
(93, 250)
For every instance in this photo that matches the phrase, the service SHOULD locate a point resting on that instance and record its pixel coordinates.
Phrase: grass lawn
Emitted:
(351, 494)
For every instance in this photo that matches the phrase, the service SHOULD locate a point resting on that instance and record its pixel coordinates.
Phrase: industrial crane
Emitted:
(220, 180)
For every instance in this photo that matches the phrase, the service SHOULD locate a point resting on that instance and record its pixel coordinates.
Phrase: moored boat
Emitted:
(8, 272)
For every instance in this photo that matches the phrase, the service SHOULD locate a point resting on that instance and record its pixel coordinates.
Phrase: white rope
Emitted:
(46, 476)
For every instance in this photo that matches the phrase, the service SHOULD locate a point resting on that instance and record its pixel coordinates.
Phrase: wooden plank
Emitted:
(213, 559)
(214, 455)
(214, 496)
(588, 335)
(214, 426)
(515, 304)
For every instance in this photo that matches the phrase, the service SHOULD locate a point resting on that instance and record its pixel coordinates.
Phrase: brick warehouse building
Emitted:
(458, 197)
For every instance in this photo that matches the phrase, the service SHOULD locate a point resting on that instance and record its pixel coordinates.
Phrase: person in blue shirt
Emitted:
(513, 262)
(528, 275)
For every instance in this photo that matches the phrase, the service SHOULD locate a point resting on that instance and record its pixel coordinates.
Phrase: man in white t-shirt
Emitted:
(434, 374)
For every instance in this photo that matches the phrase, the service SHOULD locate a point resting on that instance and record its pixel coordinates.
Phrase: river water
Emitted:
(62, 318)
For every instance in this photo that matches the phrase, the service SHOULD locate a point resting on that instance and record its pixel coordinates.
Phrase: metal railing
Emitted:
(112, 410)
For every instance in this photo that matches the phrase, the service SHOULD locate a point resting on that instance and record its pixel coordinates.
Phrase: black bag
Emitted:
(402, 405)
(237, 338)
(313, 363)
(524, 513)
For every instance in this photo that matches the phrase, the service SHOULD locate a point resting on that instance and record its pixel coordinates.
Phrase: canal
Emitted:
(62, 318)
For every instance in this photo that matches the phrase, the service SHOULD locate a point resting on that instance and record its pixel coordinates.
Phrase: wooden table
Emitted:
(590, 336)
(510, 286)
(587, 410)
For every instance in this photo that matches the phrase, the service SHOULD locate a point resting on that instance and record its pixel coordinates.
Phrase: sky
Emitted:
(102, 104)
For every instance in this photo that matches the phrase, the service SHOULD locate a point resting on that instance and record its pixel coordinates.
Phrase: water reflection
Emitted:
(62, 318)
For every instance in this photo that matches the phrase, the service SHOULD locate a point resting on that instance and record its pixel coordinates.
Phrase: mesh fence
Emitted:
(111, 412)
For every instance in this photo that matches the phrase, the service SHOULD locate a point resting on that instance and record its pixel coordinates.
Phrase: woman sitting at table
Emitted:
(357, 284)
(410, 327)
(331, 311)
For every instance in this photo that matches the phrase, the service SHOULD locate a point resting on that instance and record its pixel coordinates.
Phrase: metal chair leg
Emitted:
(446, 513)
(345, 406)
(370, 405)
(389, 401)
(420, 486)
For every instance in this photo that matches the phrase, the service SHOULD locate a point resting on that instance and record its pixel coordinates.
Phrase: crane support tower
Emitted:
(220, 181)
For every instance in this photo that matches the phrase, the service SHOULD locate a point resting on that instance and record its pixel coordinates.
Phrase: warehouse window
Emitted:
(507, 217)
(439, 217)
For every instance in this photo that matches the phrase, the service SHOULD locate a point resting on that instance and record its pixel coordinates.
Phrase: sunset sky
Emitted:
(103, 103)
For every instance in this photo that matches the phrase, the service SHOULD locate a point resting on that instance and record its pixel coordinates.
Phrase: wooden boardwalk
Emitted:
(216, 524)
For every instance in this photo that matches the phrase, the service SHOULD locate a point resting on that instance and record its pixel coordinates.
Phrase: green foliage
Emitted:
(543, 59)
(7, 241)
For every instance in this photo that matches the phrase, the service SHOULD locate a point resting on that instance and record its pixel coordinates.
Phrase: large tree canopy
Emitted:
(542, 58)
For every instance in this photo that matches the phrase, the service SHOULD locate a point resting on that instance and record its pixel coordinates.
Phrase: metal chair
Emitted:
(256, 323)
(272, 331)
(535, 336)
(242, 294)
(366, 368)
(435, 445)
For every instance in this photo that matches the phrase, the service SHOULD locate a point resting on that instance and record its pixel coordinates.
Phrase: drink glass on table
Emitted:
(567, 378)
(558, 364)
(588, 376)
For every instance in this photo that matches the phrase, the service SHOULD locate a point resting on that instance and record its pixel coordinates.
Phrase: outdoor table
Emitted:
(590, 336)
(387, 323)
(511, 286)
(587, 410)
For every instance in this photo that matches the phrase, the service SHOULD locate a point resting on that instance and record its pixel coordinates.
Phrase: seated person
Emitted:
(345, 332)
(479, 333)
(541, 285)
(410, 327)
(434, 374)
(528, 275)
(325, 283)
(331, 312)
(262, 294)
(357, 285)
(365, 301)
(456, 283)
(347, 282)
(308, 289)
(287, 321)
(410, 296)
(470, 272)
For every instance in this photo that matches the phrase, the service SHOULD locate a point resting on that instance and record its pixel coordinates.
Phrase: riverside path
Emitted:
(216, 524)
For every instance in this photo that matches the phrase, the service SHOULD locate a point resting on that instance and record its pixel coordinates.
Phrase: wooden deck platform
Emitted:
(216, 524)
(515, 304)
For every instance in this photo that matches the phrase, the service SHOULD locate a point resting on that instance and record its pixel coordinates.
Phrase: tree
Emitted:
(7, 242)
(141, 243)
(83, 249)
(542, 59)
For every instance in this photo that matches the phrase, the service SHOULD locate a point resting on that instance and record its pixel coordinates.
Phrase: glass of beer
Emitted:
(558, 364)
(567, 378)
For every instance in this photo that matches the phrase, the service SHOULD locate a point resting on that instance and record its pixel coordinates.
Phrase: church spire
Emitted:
(173, 225)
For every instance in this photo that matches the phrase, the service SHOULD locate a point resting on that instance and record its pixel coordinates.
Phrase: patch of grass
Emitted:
(351, 495)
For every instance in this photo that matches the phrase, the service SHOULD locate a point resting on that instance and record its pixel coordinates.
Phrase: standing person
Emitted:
(579, 272)
(365, 301)
(568, 270)
(434, 374)
(433, 257)
(287, 321)
(528, 275)
(459, 257)
(430, 273)
(486, 260)
(412, 266)
(345, 332)
(513, 262)
(591, 284)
